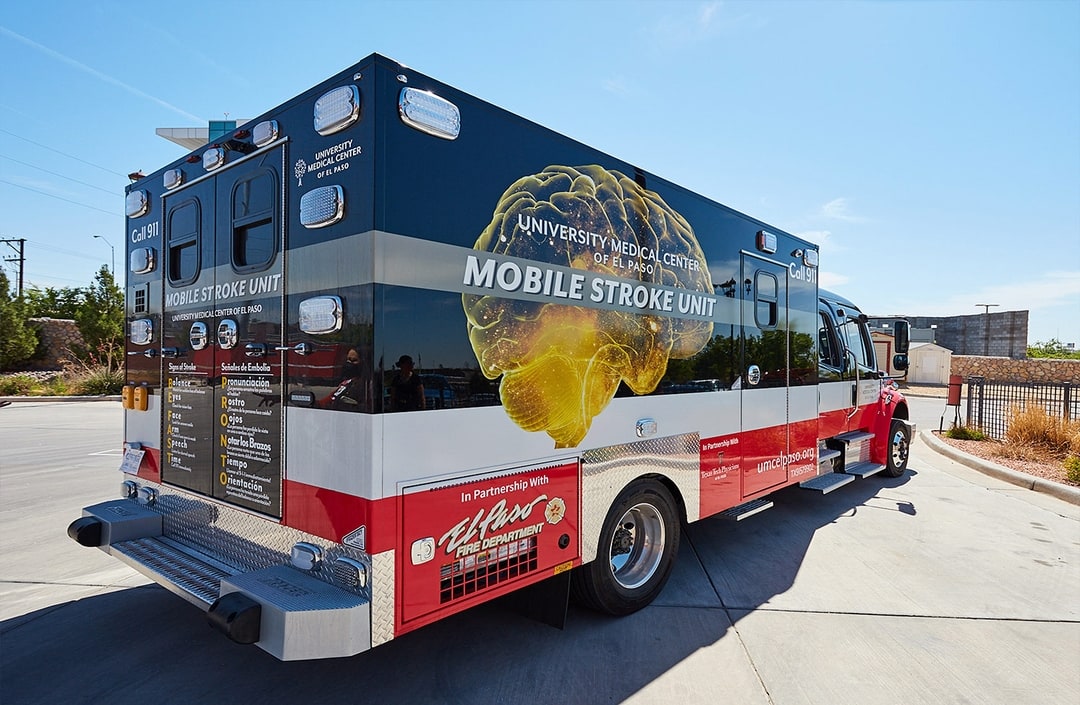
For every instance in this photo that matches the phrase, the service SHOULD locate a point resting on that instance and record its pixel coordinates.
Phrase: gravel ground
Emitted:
(1048, 469)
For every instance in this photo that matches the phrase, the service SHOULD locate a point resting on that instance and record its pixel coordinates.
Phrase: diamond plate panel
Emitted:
(242, 540)
(606, 471)
(382, 598)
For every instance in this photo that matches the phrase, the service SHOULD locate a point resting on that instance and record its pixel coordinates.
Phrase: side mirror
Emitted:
(902, 340)
(900, 362)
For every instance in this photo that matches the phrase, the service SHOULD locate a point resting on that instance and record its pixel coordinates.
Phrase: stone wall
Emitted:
(1003, 369)
(57, 336)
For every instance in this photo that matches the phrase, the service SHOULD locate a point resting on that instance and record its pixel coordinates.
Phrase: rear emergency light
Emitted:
(136, 204)
(322, 206)
(429, 113)
(142, 260)
(321, 315)
(213, 158)
(766, 242)
(141, 331)
(172, 178)
(264, 133)
(810, 258)
(336, 110)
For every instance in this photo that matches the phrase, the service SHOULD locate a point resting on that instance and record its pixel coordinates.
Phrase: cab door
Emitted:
(764, 381)
(222, 331)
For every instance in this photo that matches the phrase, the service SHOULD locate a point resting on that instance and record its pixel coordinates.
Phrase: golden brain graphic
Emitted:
(562, 364)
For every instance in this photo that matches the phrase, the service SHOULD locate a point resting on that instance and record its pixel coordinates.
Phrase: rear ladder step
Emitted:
(746, 509)
(191, 576)
(828, 482)
(863, 470)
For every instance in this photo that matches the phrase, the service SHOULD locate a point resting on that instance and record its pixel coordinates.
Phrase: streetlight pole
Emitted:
(112, 270)
(986, 325)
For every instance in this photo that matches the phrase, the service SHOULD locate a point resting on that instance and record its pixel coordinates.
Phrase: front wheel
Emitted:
(637, 549)
(899, 448)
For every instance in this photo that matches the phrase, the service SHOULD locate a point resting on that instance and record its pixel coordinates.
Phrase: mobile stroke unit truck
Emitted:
(606, 356)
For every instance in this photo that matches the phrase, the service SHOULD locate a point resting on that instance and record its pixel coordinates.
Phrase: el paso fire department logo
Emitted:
(480, 532)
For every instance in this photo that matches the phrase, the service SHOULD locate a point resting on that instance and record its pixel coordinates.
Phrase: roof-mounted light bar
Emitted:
(336, 110)
(429, 113)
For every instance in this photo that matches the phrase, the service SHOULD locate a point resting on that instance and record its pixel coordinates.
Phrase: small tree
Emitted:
(53, 303)
(1052, 348)
(100, 318)
(17, 339)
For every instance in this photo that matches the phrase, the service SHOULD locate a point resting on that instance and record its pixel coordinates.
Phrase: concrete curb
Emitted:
(113, 397)
(1065, 493)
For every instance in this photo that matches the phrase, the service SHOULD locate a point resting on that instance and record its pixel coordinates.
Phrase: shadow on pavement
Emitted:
(144, 645)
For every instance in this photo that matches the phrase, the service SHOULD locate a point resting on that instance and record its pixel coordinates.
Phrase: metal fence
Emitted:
(990, 403)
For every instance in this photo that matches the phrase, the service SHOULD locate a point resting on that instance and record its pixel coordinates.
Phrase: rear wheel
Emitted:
(637, 549)
(899, 448)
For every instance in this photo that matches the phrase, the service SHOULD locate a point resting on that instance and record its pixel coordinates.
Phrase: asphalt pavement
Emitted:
(942, 586)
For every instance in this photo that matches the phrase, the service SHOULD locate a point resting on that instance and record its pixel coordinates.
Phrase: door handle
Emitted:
(171, 352)
(255, 349)
(299, 348)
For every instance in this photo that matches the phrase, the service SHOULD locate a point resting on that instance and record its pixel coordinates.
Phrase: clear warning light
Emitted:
(141, 331)
(429, 113)
(136, 204)
(264, 133)
(322, 206)
(336, 110)
(320, 315)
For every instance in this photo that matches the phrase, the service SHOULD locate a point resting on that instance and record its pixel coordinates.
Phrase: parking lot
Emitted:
(942, 586)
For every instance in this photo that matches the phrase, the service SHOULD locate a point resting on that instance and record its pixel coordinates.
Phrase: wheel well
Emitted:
(680, 503)
(901, 411)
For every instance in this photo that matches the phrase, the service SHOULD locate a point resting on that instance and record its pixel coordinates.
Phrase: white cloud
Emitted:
(830, 280)
(618, 85)
(840, 209)
(686, 29)
(1052, 289)
(823, 239)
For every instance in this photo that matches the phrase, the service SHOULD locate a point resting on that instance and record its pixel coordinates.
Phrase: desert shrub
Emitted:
(1035, 428)
(100, 380)
(963, 433)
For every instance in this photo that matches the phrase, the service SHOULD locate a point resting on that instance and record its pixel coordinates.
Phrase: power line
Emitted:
(84, 183)
(59, 198)
(69, 156)
(62, 251)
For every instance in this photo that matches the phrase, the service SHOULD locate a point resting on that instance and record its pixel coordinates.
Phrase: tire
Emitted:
(638, 544)
(896, 455)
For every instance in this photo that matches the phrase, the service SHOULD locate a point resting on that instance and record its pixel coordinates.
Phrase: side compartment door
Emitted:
(765, 375)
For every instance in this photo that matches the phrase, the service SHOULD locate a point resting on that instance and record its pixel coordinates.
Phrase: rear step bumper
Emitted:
(285, 611)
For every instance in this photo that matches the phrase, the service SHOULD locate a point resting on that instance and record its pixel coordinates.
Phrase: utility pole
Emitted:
(112, 250)
(21, 259)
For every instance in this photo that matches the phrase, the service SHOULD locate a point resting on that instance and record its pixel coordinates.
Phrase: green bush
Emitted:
(17, 385)
(963, 433)
(100, 381)
(1072, 468)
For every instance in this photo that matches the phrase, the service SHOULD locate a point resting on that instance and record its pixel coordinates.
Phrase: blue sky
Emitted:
(931, 148)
